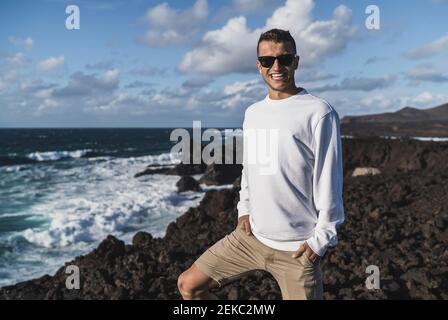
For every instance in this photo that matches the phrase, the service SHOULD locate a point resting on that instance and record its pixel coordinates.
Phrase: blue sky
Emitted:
(164, 64)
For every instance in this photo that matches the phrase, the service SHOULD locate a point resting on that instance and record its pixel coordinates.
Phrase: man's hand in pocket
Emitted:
(305, 249)
(244, 222)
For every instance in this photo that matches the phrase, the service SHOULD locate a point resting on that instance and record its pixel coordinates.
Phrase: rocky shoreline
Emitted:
(396, 219)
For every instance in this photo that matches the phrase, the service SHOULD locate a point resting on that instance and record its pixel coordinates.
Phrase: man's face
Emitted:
(277, 77)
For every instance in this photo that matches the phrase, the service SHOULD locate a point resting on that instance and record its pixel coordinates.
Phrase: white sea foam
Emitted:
(163, 159)
(57, 155)
(15, 168)
(79, 206)
(105, 199)
(441, 139)
(22, 262)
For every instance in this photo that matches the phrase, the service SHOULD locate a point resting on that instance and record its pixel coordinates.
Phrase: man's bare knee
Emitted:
(188, 287)
(193, 284)
(185, 286)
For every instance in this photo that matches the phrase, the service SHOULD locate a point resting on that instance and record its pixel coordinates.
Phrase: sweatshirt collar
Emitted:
(300, 93)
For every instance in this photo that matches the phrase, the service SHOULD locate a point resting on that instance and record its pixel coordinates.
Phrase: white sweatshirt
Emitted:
(302, 199)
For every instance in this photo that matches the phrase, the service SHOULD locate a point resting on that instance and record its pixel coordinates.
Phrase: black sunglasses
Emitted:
(284, 60)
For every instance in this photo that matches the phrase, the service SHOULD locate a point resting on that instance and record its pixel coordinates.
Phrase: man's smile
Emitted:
(278, 76)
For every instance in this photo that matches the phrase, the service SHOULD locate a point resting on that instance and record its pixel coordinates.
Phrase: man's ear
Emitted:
(297, 62)
(259, 66)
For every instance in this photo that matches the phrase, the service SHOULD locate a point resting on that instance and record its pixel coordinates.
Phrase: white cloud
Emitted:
(358, 83)
(391, 103)
(138, 84)
(28, 42)
(149, 71)
(373, 103)
(45, 106)
(250, 5)
(134, 105)
(242, 86)
(197, 82)
(172, 27)
(44, 93)
(32, 85)
(111, 76)
(424, 99)
(229, 49)
(374, 60)
(51, 64)
(312, 75)
(101, 65)
(234, 97)
(11, 70)
(233, 47)
(87, 86)
(83, 91)
(18, 59)
(377, 101)
(437, 46)
(440, 1)
(295, 16)
(426, 72)
(241, 94)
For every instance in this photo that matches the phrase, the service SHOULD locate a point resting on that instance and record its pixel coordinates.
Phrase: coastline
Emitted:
(397, 220)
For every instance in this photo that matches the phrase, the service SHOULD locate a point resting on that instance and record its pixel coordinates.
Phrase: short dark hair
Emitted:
(277, 35)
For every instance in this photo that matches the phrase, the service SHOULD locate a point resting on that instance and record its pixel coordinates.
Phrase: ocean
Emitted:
(62, 191)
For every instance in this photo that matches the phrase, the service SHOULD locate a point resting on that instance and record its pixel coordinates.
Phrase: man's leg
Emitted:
(194, 284)
(227, 260)
(298, 278)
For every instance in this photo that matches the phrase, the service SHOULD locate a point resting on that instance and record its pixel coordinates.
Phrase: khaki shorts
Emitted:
(238, 254)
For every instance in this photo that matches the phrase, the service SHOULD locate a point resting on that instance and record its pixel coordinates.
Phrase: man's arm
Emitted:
(243, 205)
(327, 186)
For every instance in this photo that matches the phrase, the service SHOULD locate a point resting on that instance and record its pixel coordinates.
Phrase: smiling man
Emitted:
(287, 219)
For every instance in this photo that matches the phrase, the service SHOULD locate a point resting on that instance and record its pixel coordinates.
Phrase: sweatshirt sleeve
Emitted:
(243, 205)
(327, 182)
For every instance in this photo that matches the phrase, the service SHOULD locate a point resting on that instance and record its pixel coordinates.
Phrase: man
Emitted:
(286, 219)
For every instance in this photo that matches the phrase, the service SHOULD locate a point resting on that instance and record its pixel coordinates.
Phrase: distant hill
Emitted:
(407, 121)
